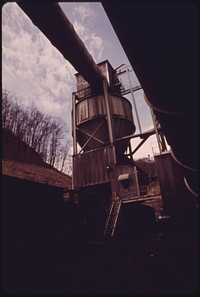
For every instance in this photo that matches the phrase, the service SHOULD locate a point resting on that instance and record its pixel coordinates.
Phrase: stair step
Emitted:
(112, 218)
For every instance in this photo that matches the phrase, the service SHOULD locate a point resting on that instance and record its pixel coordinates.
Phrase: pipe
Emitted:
(74, 123)
(133, 99)
(108, 112)
(164, 55)
(54, 24)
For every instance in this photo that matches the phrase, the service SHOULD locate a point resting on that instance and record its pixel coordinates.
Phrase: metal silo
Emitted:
(103, 125)
(91, 117)
(100, 118)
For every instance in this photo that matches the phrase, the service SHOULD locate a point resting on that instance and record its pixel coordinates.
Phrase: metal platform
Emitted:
(141, 199)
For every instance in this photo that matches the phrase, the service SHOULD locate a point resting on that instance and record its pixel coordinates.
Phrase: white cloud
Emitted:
(82, 17)
(83, 11)
(36, 71)
(79, 28)
(94, 45)
(32, 67)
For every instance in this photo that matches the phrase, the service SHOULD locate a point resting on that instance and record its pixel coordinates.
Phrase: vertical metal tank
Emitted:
(103, 125)
(91, 114)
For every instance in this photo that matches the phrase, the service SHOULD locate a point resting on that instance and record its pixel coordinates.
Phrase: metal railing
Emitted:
(131, 193)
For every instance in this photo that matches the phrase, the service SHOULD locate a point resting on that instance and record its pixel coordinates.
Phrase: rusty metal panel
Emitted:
(88, 108)
(101, 109)
(117, 106)
(92, 106)
(82, 111)
(95, 106)
(98, 140)
(89, 115)
(121, 106)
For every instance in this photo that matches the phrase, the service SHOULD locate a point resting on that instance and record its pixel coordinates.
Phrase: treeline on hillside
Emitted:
(45, 134)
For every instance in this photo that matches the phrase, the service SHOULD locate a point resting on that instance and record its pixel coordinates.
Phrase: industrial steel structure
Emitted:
(51, 243)
(161, 43)
(102, 119)
(103, 126)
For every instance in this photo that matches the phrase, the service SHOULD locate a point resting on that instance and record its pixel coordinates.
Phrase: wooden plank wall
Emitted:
(90, 168)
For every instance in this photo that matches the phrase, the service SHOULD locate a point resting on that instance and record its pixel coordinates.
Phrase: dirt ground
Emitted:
(36, 173)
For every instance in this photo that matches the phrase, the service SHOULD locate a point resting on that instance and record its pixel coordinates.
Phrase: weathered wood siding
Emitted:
(83, 87)
(90, 168)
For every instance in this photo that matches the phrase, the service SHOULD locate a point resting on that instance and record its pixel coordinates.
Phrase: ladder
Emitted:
(112, 218)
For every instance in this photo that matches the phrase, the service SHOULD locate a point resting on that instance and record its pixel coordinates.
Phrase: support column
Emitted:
(133, 98)
(109, 118)
(108, 112)
(130, 151)
(156, 130)
(74, 123)
(137, 182)
(74, 135)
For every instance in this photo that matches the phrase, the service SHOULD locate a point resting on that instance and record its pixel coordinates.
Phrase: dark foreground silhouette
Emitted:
(162, 263)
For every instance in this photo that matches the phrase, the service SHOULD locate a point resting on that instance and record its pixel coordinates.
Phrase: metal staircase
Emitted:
(112, 218)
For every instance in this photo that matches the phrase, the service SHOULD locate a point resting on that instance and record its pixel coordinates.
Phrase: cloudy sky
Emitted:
(37, 72)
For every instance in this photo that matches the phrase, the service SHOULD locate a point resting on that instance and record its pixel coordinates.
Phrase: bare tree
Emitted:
(64, 154)
(45, 134)
(6, 106)
(57, 135)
